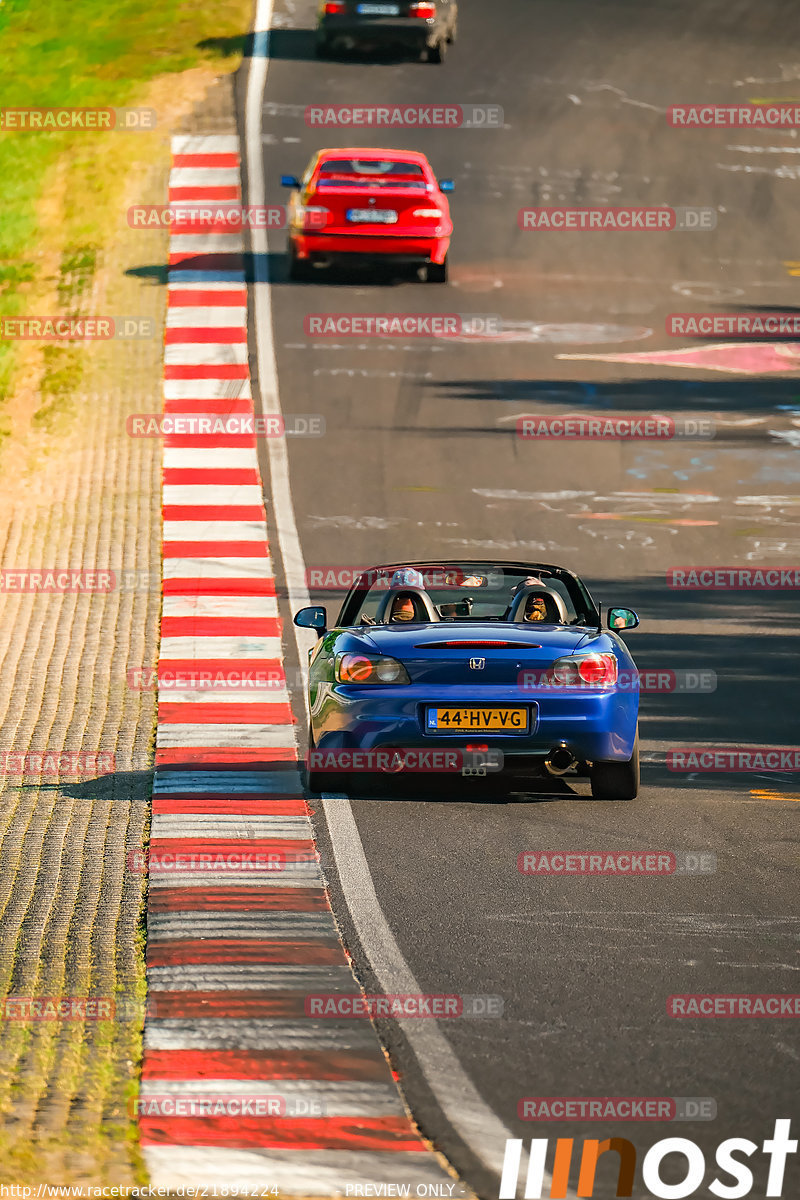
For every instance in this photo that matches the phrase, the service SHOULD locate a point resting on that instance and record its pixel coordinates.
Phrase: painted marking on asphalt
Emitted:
(206, 389)
(733, 358)
(186, 313)
(198, 457)
(765, 794)
(218, 353)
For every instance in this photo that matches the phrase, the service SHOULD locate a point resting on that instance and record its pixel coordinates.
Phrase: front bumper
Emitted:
(594, 726)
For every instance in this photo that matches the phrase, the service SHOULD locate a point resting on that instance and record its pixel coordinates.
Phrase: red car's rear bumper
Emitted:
(370, 245)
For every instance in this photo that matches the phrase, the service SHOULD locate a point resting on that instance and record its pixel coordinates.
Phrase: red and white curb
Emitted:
(232, 953)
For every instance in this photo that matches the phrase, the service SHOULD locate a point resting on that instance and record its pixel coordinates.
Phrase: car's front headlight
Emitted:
(369, 668)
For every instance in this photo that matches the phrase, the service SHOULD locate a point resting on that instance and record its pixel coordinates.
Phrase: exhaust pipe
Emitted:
(559, 760)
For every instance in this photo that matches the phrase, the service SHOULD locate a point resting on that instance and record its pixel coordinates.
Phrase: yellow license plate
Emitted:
(477, 720)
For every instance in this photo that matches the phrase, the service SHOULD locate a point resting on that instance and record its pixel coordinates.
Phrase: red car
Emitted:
(363, 205)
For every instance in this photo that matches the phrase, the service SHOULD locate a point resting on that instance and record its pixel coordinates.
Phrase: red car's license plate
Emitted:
(373, 216)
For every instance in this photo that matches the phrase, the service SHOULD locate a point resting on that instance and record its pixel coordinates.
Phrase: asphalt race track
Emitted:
(421, 460)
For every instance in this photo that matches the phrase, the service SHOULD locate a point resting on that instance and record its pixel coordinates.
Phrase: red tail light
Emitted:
(422, 8)
(334, 8)
(369, 668)
(593, 670)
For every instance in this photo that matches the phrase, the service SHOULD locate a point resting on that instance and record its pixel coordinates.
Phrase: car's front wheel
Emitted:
(616, 780)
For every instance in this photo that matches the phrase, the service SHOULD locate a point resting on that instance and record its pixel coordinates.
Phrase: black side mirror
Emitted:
(290, 181)
(622, 618)
(314, 617)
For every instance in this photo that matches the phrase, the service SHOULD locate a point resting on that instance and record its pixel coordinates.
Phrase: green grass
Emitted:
(85, 53)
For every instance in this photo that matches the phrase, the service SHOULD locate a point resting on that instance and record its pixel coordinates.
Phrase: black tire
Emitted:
(437, 53)
(299, 269)
(436, 272)
(322, 46)
(617, 780)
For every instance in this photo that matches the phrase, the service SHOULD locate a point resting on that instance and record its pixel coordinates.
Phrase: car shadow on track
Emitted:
(274, 268)
(299, 45)
(466, 791)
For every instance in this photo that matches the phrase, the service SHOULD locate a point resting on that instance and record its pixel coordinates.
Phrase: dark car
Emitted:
(431, 661)
(422, 27)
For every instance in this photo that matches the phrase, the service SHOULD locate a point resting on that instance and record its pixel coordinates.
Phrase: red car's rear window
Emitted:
(356, 173)
(371, 167)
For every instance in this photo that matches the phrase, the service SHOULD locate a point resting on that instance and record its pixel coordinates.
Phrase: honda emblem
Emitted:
(477, 664)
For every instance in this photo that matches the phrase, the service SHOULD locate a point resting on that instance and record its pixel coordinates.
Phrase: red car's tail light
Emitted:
(370, 668)
(310, 216)
(422, 8)
(334, 8)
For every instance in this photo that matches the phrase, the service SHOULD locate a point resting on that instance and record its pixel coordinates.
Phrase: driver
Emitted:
(535, 609)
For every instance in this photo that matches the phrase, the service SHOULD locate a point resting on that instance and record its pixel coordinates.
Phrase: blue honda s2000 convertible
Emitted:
(473, 657)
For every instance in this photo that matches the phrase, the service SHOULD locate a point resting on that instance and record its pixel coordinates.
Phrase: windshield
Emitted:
(467, 591)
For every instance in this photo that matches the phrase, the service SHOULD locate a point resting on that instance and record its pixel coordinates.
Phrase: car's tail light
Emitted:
(427, 212)
(310, 216)
(334, 8)
(422, 8)
(370, 668)
(584, 670)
